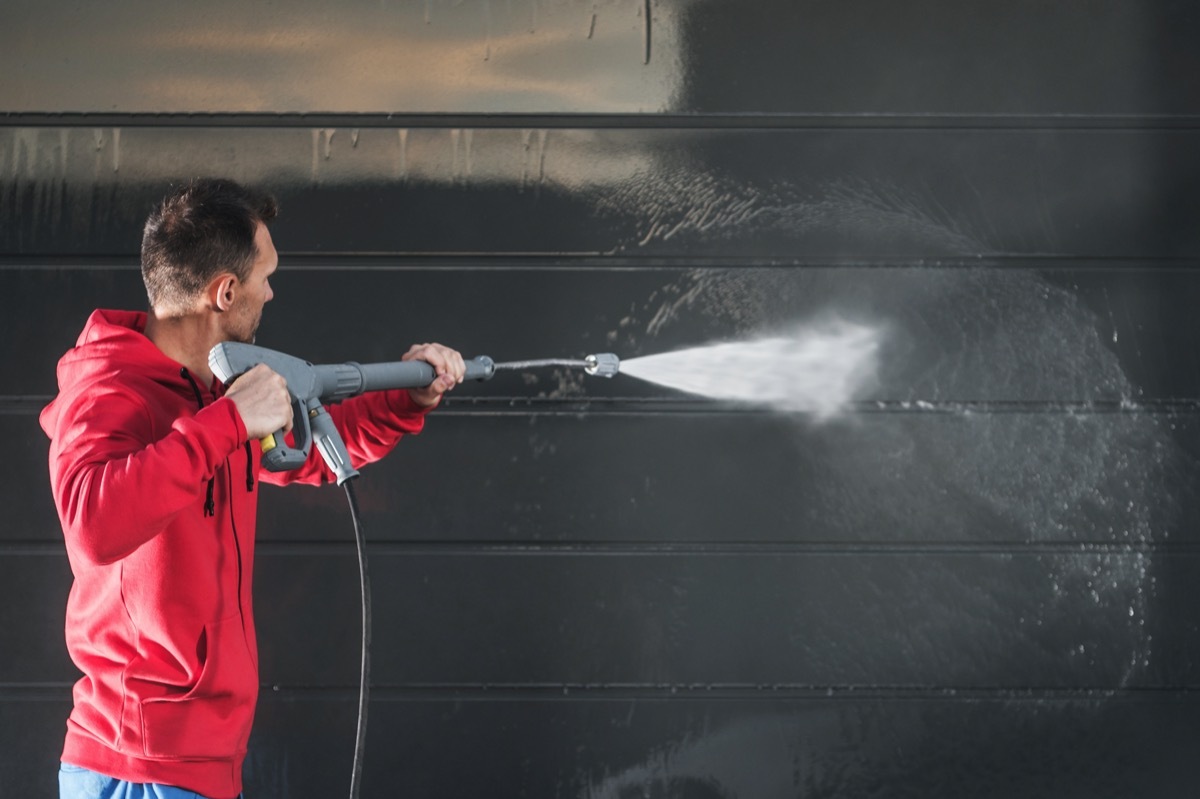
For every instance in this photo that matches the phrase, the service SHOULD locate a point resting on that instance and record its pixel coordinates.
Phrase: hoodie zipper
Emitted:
(210, 504)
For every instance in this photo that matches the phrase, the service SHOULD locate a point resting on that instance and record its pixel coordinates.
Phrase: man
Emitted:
(155, 469)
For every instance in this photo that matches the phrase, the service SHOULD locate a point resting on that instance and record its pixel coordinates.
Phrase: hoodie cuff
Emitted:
(402, 404)
(226, 420)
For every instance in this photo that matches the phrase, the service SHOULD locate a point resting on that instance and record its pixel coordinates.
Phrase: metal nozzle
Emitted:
(602, 364)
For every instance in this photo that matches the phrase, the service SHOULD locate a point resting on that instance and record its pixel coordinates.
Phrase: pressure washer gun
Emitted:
(312, 385)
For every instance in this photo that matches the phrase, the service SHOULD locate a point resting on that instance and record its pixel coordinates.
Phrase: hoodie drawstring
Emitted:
(249, 468)
(210, 505)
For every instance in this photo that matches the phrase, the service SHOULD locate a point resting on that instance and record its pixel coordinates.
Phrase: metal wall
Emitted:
(981, 580)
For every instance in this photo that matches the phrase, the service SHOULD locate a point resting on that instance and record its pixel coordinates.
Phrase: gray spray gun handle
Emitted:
(277, 456)
(310, 385)
(230, 359)
(330, 445)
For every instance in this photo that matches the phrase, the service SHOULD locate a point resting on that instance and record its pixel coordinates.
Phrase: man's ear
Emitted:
(221, 292)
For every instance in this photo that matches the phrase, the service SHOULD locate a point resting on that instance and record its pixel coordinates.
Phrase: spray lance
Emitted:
(310, 387)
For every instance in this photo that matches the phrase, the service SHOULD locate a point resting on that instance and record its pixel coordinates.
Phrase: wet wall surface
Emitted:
(977, 579)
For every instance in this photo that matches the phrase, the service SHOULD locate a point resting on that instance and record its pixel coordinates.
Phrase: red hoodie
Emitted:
(156, 489)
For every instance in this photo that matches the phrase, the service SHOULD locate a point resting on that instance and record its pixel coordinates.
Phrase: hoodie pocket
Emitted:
(213, 719)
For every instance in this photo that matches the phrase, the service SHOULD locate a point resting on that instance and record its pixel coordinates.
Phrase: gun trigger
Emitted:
(268, 443)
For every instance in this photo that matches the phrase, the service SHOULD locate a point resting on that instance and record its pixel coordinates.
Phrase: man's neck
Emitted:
(185, 338)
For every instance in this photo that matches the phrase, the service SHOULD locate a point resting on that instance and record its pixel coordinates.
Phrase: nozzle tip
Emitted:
(602, 364)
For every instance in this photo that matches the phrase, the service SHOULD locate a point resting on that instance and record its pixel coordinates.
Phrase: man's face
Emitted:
(255, 292)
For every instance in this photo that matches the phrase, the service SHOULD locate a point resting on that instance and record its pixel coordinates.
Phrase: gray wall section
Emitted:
(978, 580)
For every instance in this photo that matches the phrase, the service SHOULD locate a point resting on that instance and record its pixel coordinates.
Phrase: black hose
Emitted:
(364, 680)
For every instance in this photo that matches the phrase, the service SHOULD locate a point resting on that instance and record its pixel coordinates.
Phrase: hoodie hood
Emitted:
(111, 342)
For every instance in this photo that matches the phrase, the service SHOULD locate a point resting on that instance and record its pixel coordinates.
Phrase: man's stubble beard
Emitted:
(243, 327)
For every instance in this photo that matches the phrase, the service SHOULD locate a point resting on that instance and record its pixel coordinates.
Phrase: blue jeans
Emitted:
(79, 783)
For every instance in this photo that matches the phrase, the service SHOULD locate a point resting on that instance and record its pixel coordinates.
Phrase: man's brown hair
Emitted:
(198, 231)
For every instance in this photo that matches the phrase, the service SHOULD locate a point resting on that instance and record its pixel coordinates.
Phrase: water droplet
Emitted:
(541, 154)
(646, 14)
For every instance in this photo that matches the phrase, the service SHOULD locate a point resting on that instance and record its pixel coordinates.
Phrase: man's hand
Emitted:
(262, 399)
(447, 363)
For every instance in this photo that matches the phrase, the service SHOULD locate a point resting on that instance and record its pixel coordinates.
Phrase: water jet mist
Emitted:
(816, 368)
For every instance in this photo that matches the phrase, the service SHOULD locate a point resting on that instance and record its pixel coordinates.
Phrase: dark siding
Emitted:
(980, 581)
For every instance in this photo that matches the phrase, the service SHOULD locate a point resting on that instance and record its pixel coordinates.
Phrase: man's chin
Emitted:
(247, 337)
(241, 338)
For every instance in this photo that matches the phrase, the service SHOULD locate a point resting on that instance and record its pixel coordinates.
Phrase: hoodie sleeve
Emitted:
(118, 480)
(371, 425)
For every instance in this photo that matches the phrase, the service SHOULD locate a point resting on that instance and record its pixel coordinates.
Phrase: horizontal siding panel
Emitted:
(895, 479)
(773, 749)
(668, 192)
(1003, 620)
(769, 748)
(1118, 480)
(1007, 620)
(33, 600)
